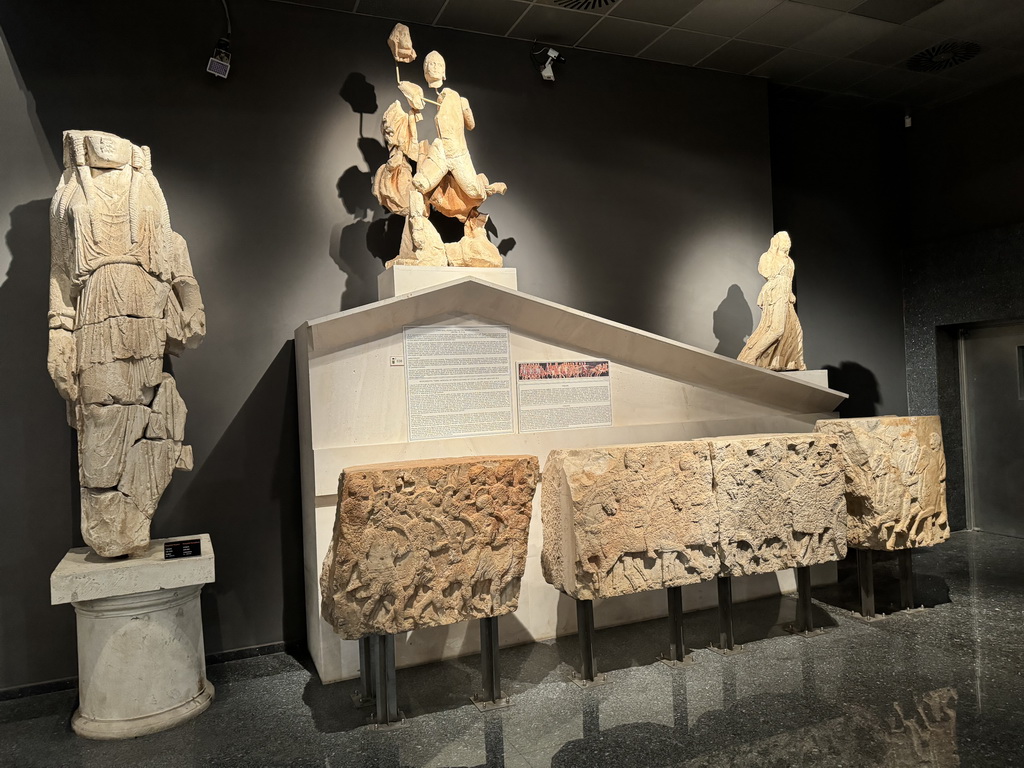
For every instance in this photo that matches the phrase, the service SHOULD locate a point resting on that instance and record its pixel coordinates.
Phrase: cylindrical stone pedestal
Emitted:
(141, 663)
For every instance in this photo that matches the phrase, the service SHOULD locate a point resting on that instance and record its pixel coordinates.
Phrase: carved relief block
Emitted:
(428, 543)
(627, 519)
(895, 470)
(780, 501)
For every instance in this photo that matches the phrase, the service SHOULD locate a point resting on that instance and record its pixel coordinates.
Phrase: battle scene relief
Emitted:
(428, 543)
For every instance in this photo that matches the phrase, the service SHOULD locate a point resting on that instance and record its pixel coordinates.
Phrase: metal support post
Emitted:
(866, 582)
(588, 674)
(726, 638)
(490, 668)
(364, 696)
(676, 643)
(804, 624)
(803, 597)
(905, 557)
(385, 682)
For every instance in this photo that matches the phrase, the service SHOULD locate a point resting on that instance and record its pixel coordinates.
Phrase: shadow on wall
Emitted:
(861, 386)
(256, 460)
(38, 469)
(356, 246)
(732, 322)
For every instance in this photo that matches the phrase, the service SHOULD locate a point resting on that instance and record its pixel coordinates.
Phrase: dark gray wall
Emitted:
(967, 165)
(966, 262)
(837, 180)
(976, 278)
(637, 191)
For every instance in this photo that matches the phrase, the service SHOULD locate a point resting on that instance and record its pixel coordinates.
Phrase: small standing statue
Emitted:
(778, 341)
(445, 177)
(122, 295)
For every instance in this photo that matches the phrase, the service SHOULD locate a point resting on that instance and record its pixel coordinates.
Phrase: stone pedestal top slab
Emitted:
(84, 575)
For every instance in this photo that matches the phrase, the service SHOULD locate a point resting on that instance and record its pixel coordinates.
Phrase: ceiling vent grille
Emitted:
(584, 5)
(943, 56)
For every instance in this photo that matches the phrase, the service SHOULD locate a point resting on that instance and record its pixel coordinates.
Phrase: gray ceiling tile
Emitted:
(840, 75)
(666, 12)
(620, 36)
(599, 7)
(415, 11)
(726, 17)
(553, 25)
(896, 11)
(334, 5)
(845, 35)
(952, 17)
(739, 56)
(837, 5)
(791, 66)
(887, 82)
(787, 23)
(990, 65)
(931, 91)
(1002, 30)
(679, 46)
(897, 46)
(494, 17)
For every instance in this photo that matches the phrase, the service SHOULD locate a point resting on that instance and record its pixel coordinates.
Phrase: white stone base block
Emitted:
(141, 660)
(818, 376)
(402, 279)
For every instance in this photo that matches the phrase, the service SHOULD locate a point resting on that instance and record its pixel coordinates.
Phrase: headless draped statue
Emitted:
(122, 296)
(778, 341)
(444, 179)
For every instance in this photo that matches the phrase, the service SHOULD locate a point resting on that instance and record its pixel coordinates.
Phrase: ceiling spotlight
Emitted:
(220, 62)
(547, 70)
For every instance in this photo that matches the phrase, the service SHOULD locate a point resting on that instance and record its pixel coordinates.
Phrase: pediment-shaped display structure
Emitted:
(354, 410)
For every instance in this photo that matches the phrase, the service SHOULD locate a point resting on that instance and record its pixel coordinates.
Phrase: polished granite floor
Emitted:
(938, 687)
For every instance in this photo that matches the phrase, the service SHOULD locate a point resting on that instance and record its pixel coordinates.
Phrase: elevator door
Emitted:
(992, 361)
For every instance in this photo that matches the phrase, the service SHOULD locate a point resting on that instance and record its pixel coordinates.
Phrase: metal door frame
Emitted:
(962, 335)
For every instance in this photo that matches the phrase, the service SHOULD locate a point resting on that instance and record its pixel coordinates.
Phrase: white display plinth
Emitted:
(819, 376)
(141, 661)
(353, 410)
(400, 280)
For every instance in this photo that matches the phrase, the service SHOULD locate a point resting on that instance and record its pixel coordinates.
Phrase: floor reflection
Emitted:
(918, 732)
(936, 688)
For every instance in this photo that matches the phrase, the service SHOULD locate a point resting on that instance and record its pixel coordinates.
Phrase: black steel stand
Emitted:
(490, 668)
(387, 714)
(905, 558)
(804, 626)
(726, 639)
(866, 584)
(677, 656)
(364, 696)
(588, 675)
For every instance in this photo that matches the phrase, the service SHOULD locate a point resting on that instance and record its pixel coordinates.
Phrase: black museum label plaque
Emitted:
(182, 548)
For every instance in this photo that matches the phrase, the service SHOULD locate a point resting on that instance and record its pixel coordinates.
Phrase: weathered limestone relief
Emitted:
(445, 178)
(632, 518)
(780, 501)
(427, 543)
(122, 295)
(627, 519)
(895, 470)
(778, 341)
